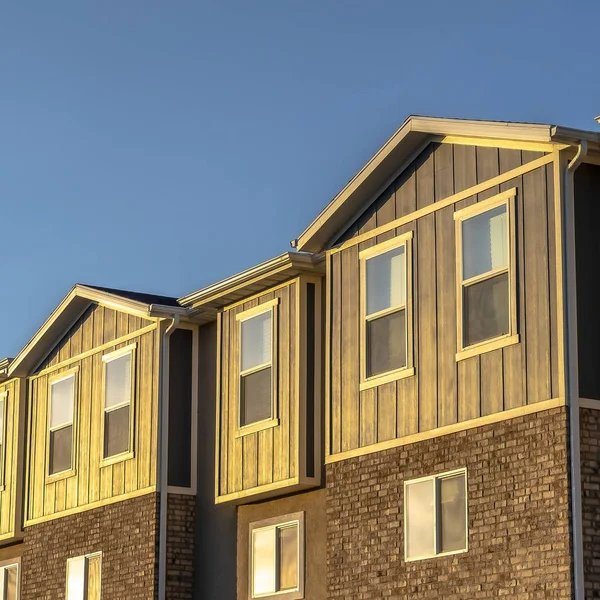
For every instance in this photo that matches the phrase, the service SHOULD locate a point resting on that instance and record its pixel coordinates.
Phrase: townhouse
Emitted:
(404, 406)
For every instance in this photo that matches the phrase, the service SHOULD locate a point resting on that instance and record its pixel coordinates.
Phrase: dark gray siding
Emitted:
(587, 248)
(216, 530)
(180, 408)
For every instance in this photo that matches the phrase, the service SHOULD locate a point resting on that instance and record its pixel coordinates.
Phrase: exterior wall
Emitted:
(587, 253)
(259, 462)
(315, 544)
(444, 391)
(518, 515)
(98, 332)
(215, 543)
(589, 427)
(181, 525)
(125, 532)
(11, 477)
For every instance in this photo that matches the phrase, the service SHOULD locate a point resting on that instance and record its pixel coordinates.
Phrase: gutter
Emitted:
(164, 456)
(572, 371)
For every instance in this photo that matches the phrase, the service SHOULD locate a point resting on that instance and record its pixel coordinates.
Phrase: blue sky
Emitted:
(160, 146)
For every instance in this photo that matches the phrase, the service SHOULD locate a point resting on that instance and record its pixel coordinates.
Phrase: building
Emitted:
(406, 405)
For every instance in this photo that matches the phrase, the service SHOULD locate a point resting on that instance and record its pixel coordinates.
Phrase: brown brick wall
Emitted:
(180, 546)
(589, 427)
(519, 534)
(126, 533)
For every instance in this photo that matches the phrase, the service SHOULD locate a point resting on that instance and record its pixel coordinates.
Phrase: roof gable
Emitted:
(73, 306)
(399, 152)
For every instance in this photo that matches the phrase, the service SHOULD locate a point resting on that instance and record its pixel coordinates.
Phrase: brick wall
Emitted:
(126, 533)
(180, 546)
(519, 534)
(589, 426)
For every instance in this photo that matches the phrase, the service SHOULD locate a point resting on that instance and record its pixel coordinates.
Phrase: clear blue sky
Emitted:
(160, 146)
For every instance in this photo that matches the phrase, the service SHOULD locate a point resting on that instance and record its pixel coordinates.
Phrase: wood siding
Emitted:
(587, 252)
(445, 391)
(93, 484)
(11, 478)
(275, 457)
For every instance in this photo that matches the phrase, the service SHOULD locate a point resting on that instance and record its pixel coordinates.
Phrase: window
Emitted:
(3, 404)
(61, 419)
(9, 582)
(84, 577)
(118, 397)
(435, 515)
(486, 277)
(256, 385)
(277, 557)
(386, 329)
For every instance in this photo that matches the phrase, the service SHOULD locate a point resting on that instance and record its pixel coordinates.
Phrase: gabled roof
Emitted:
(73, 306)
(397, 153)
(205, 303)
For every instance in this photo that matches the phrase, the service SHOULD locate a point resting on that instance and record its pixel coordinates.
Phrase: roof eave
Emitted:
(204, 303)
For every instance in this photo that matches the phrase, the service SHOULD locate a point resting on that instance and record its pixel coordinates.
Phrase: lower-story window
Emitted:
(83, 577)
(9, 582)
(435, 515)
(277, 557)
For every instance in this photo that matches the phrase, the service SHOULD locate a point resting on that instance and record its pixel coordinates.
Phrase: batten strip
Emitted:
(431, 208)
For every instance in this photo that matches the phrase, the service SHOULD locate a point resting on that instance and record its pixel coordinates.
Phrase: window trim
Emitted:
(436, 478)
(507, 198)
(275, 523)
(4, 399)
(106, 358)
(72, 372)
(7, 564)
(408, 370)
(273, 420)
(86, 558)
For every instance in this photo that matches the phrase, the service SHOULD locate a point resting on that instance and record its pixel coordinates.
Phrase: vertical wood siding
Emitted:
(267, 456)
(256, 463)
(9, 495)
(444, 391)
(93, 482)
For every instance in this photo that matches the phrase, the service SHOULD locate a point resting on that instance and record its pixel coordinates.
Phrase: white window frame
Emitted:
(507, 199)
(86, 558)
(107, 358)
(273, 420)
(4, 410)
(74, 373)
(436, 479)
(276, 523)
(4, 568)
(404, 240)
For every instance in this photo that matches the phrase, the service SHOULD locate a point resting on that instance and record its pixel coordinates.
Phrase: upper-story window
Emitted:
(9, 581)
(256, 331)
(486, 272)
(3, 403)
(84, 577)
(118, 398)
(277, 557)
(386, 329)
(61, 423)
(435, 515)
